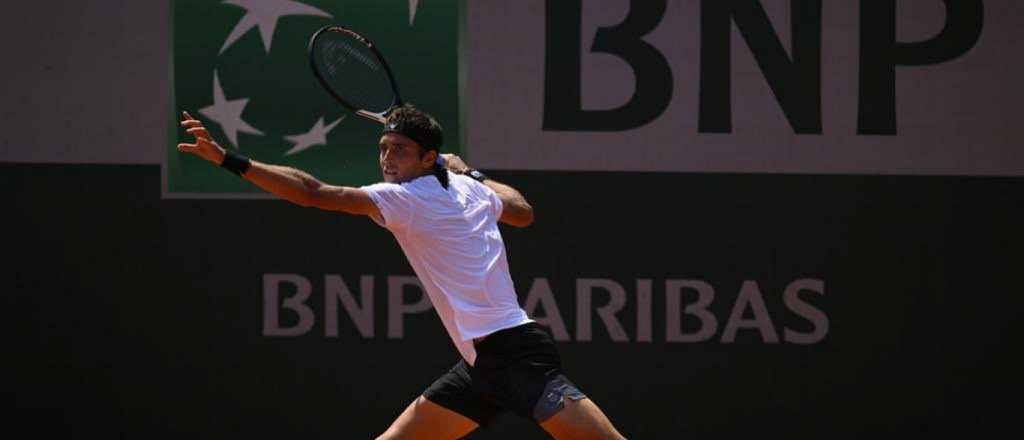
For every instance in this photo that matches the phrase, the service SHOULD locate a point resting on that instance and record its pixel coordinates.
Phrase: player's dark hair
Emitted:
(422, 128)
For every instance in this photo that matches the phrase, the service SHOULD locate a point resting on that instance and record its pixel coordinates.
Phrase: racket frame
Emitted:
(374, 116)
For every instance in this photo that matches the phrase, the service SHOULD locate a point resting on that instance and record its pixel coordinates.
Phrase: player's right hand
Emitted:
(455, 163)
(204, 147)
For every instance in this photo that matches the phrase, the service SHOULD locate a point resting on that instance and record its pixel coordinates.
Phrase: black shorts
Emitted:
(516, 369)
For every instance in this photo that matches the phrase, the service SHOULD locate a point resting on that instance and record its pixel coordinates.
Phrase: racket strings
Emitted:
(354, 73)
(331, 48)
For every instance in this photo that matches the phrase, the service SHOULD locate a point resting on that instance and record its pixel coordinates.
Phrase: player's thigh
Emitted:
(580, 419)
(424, 419)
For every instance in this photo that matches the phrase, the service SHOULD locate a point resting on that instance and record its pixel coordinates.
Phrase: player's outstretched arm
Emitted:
(288, 183)
(516, 212)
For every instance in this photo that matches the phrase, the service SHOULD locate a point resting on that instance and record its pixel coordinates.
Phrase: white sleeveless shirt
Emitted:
(452, 241)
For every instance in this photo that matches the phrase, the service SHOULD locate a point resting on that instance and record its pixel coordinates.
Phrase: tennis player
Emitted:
(445, 219)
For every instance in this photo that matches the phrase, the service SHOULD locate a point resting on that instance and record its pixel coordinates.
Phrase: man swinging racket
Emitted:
(445, 218)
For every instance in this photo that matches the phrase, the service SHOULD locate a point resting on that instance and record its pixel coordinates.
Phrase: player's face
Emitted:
(402, 159)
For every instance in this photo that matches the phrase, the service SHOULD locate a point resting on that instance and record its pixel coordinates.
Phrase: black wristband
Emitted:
(476, 175)
(236, 163)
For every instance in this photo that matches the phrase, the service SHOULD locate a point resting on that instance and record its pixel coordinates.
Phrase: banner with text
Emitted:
(808, 86)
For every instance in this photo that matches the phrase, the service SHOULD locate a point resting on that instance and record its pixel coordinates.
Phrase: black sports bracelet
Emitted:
(236, 163)
(476, 175)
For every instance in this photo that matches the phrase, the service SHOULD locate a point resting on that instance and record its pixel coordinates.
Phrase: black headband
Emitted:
(428, 139)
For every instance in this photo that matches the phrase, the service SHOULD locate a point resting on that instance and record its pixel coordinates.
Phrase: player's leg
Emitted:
(580, 419)
(450, 408)
(424, 419)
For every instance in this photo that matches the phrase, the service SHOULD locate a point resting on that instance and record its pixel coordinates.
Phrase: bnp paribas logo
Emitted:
(241, 66)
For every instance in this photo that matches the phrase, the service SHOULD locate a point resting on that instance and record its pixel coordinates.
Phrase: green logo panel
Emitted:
(241, 67)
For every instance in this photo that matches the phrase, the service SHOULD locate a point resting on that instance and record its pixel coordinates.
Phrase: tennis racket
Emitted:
(354, 72)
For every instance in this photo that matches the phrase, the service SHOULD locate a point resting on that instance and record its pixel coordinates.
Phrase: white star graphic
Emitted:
(315, 136)
(228, 113)
(265, 13)
(413, 5)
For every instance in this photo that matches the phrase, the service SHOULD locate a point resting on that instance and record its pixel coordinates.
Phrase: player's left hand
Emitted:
(204, 147)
